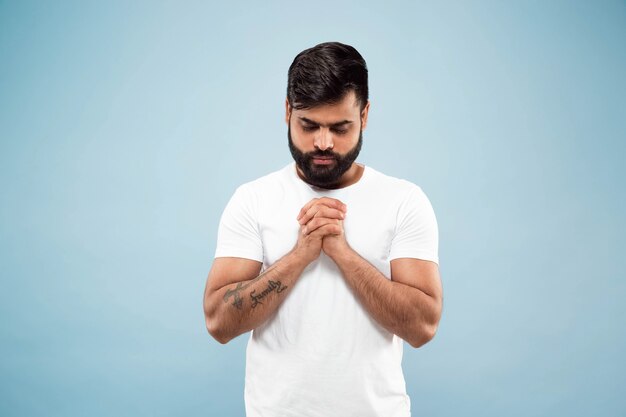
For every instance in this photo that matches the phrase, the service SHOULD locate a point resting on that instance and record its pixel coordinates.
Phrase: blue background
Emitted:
(126, 126)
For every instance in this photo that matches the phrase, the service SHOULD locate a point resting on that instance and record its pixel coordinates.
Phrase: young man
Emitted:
(329, 262)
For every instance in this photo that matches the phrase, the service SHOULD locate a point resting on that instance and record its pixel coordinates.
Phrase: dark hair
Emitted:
(324, 74)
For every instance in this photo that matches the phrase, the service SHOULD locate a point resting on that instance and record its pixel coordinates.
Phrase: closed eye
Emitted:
(312, 128)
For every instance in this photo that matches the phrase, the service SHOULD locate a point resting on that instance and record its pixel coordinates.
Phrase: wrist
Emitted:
(297, 258)
(342, 254)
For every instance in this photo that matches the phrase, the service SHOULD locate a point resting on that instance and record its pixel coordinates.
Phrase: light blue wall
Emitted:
(126, 126)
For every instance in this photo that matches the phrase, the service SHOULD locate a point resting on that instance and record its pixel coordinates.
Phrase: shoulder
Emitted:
(399, 195)
(266, 183)
(263, 193)
(388, 184)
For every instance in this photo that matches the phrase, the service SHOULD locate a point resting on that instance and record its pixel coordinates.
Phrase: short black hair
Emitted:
(324, 74)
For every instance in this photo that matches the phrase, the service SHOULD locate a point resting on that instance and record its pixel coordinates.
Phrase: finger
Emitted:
(333, 203)
(327, 201)
(330, 213)
(306, 207)
(309, 214)
(319, 210)
(316, 223)
(327, 229)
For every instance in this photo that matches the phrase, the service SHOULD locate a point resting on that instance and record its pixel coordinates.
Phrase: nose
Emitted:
(324, 140)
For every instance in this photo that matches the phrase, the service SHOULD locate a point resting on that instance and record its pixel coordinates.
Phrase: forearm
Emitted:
(241, 307)
(401, 309)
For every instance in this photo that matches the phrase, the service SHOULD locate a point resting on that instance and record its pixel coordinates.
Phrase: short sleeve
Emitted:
(238, 232)
(416, 234)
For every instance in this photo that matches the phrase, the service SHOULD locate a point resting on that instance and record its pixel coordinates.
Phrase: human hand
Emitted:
(318, 218)
(325, 216)
(324, 207)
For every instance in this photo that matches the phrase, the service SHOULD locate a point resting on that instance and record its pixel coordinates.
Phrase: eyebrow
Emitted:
(337, 124)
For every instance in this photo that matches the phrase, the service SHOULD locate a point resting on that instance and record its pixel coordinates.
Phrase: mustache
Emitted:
(322, 154)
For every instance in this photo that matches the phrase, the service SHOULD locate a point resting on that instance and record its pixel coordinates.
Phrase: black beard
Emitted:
(324, 176)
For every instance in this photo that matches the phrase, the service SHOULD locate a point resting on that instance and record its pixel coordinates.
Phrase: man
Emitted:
(329, 262)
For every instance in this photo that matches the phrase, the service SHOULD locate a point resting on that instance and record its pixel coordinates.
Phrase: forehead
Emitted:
(346, 109)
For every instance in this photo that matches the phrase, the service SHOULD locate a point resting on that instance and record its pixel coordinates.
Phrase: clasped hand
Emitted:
(321, 228)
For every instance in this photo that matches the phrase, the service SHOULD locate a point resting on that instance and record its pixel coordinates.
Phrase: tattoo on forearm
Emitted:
(237, 302)
(273, 285)
(235, 292)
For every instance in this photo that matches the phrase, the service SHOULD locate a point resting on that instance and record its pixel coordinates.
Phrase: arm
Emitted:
(409, 305)
(238, 299)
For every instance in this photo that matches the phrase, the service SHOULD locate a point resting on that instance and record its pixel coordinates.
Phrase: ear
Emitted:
(287, 111)
(364, 114)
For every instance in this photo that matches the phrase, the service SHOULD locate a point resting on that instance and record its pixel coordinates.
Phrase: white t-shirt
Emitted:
(321, 354)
